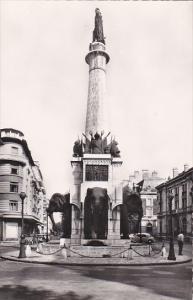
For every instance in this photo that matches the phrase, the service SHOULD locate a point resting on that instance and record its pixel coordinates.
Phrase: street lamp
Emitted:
(22, 253)
(46, 225)
(171, 255)
(137, 189)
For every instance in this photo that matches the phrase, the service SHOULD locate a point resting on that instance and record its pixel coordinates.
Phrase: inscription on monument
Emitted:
(96, 173)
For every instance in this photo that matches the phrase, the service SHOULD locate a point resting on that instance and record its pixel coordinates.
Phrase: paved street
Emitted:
(33, 281)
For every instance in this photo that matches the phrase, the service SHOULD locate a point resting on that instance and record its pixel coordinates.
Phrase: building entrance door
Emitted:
(11, 230)
(149, 228)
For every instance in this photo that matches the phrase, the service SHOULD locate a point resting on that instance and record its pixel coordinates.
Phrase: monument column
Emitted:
(97, 58)
(96, 159)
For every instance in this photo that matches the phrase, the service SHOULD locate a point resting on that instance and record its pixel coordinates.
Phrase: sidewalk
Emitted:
(60, 259)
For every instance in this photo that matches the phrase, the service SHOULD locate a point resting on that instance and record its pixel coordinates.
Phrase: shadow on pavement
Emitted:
(19, 292)
(170, 282)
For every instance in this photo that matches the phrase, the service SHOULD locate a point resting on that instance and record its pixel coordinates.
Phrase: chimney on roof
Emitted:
(175, 172)
(145, 174)
(186, 167)
(136, 174)
(154, 174)
(131, 177)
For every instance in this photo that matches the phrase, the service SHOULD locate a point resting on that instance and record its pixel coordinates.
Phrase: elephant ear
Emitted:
(67, 198)
(105, 192)
(89, 191)
(106, 196)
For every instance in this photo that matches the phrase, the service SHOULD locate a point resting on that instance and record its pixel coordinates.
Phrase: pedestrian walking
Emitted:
(164, 252)
(180, 239)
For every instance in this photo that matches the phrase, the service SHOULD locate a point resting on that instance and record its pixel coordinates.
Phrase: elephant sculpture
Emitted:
(131, 212)
(96, 213)
(61, 203)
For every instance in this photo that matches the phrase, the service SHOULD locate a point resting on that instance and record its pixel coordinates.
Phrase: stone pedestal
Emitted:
(80, 186)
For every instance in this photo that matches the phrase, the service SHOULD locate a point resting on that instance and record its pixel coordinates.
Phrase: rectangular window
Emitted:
(96, 173)
(184, 196)
(160, 201)
(149, 202)
(149, 212)
(155, 206)
(13, 205)
(176, 198)
(144, 205)
(14, 170)
(14, 150)
(184, 187)
(176, 190)
(176, 202)
(14, 187)
(184, 202)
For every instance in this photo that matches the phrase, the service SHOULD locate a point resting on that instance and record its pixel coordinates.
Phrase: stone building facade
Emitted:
(181, 186)
(19, 173)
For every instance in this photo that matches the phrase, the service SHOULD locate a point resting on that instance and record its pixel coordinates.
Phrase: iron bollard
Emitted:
(130, 254)
(22, 253)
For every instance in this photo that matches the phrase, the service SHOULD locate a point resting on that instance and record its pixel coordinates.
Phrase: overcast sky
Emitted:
(44, 81)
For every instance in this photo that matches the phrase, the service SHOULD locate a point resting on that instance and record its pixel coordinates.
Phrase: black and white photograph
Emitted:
(96, 169)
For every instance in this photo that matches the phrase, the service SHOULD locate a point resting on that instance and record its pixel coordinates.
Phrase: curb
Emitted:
(96, 264)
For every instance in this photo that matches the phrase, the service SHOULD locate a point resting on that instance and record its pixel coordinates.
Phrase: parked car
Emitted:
(145, 238)
(131, 235)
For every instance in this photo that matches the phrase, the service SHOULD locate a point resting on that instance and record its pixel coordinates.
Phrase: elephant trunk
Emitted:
(50, 214)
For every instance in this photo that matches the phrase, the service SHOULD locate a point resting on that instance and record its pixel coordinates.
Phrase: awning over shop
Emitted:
(26, 218)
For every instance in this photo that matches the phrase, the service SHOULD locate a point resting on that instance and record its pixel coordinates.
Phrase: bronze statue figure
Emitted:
(98, 35)
(114, 150)
(77, 148)
(87, 145)
(98, 145)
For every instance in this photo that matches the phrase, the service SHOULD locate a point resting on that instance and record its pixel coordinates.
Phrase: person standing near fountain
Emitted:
(180, 239)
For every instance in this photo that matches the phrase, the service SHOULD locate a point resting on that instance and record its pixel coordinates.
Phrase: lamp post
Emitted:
(137, 190)
(22, 253)
(171, 255)
(46, 225)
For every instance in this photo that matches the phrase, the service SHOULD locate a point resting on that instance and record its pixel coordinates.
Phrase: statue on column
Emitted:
(77, 148)
(114, 150)
(98, 35)
(97, 144)
(87, 144)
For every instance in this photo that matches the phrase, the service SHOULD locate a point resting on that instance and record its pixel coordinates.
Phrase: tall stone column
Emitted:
(96, 160)
(97, 58)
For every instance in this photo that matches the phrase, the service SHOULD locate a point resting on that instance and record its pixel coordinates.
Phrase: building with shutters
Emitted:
(19, 173)
(181, 187)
